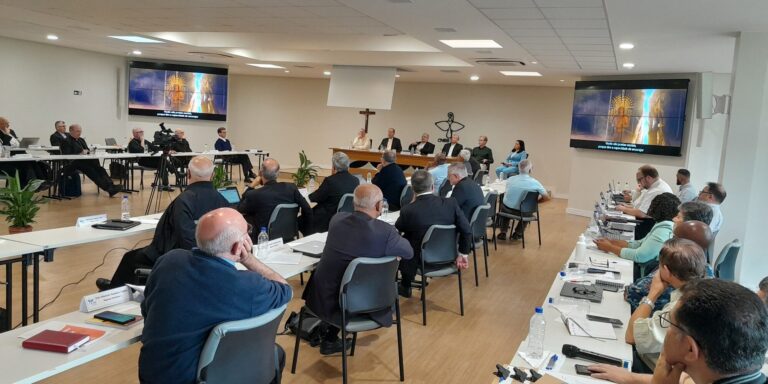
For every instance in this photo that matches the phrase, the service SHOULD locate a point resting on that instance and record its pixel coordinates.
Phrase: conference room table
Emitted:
(12, 252)
(403, 158)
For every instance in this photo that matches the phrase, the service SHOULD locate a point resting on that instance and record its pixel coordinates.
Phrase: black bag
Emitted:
(69, 185)
(117, 171)
(310, 327)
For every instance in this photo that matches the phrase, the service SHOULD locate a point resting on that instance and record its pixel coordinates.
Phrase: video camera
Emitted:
(164, 138)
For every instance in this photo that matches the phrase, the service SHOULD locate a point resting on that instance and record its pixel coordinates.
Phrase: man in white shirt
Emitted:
(361, 141)
(714, 195)
(651, 185)
(687, 191)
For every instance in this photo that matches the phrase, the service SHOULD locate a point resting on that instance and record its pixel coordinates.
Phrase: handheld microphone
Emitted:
(573, 351)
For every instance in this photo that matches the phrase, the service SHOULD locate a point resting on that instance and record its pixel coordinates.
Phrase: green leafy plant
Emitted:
(220, 178)
(305, 171)
(20, 205)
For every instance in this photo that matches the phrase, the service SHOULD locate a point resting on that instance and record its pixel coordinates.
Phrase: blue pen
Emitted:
(552, 362)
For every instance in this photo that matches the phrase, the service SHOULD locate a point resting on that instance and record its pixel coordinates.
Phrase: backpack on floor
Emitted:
(69, 185)
(310, 327)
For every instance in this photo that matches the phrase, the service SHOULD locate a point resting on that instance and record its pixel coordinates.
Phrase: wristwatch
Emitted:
(648, 302)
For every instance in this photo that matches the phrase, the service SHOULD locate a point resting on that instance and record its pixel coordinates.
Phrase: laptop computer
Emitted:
(231, 194)
(116, 225)
(110, 141)
(310, 248)
(27, 141)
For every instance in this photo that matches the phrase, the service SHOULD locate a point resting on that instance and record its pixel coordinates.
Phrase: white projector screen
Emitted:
(361, 87)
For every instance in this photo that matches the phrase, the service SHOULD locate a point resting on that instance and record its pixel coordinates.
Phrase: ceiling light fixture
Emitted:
(52, 37)
(397, 76)
(474, 77)
(534, 62)
(626, 46)
(327, 73)
(471, 43)
(136, 52)
(287, 71)
(520, 73)
(136, 39)
(628, 65)
(266, 66)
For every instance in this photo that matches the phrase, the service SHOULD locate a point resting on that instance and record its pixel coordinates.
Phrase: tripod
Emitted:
(167, 165)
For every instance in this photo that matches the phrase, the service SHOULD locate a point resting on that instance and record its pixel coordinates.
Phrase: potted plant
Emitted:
(305, 171)
(20, 205)
(220, 178)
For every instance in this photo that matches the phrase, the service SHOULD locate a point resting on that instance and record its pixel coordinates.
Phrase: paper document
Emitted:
(282, 257)
(578, 325)
(149, 221)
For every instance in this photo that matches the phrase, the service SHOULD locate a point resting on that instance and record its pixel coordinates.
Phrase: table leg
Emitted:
(25, 259)
(8, 295)
(48, 254)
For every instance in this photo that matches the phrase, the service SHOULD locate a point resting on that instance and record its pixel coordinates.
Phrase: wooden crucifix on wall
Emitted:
(367, 113)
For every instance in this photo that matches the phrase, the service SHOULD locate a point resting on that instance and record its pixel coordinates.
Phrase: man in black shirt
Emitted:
(76, 145)
(330, 192)
(139, 145)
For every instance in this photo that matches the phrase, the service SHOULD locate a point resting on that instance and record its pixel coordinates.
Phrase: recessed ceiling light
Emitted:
(397, 76)
(471, 43)
(628, 65)
(520, 73)
(266, 66)
(287, 71)
(474, 77)
(626, 45)
(327, 73)
(562, 81)
(136, 52)
(52, 37)
(136, 39)
(534, 62)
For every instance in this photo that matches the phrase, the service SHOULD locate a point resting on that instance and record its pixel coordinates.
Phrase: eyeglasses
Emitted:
(665, 322)
(705, 193)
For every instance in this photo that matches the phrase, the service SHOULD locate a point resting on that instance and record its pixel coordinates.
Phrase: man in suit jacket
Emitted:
(60, 134)
(481, 153)
(331, 190)
(76, 145)
(453, 148)
(390, 179)
(28, 170)
(424, 147)
(176, 228)
(180, 145)
(223, 144)
(416, 218)
(465, 191)
(391, 142)
(351, 235)
(257, 204)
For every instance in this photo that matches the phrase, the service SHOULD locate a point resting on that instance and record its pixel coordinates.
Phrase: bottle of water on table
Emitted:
(262, 244)
(368, 178)
(125, 209)
(384, 208)
(536, 333)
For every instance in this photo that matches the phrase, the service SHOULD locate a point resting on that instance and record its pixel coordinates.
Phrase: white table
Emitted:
(12, 252)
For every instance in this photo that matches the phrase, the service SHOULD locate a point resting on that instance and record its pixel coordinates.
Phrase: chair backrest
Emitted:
(711, 249)
(492, 199)
(445, 187)
(406, 195)
(530, 202)
(369, 285)
(110, 141)
(284, 222)
(478, 178)
(439, 245)
(346, 203)
(479, 219)
(725, 266)
(241, 351)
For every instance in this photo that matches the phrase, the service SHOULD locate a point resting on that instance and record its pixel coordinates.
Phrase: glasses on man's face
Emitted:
(665, 322)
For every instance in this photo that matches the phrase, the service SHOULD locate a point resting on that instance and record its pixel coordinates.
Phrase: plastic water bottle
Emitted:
(368, 178)
(125, 208)
(581, 249)
(311, 185)
(384, 208)
(206, 149)
(262, 243)
(536, 333)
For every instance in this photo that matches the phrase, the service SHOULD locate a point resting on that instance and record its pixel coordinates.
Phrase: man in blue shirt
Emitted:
(517, 187)
(190, 292)
(440, 171)
(223, 145)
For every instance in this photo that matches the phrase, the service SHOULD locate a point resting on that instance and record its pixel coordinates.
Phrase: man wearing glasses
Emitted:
(60, 135)
(714, 195)
(650, 185)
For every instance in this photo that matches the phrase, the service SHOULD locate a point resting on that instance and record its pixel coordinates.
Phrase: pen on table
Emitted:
(552, 362)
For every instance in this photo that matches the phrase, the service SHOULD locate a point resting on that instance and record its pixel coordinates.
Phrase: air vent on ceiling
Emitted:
(444, 29)
(450, 71)
(302, 66)
(210, 54)
(496, 62)
(484, 51)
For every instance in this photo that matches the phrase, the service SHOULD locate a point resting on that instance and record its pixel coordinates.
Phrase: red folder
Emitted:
(55, 341)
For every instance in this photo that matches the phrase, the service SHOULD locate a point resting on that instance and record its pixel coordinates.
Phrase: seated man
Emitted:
(465, 191)
(452, 148)
(517, 187)
(483, 154)
(28, 170)
(470, 163)
(361, 141)
(390, 179)
(76, 145)
(176, 228)
(391, 143)
(416, 218)
(139, 145)
(60, 134)
(714, 195)
(351, 235)
(191, 291)
(423, 147)
(716, 333)
(180, 145)
(257, 204)
(686, 192)
(649, 186)
(223, 144)
(330, 192)
(440, 171)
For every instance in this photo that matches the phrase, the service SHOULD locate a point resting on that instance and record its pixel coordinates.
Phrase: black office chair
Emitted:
(284, 222)
(492, 199)
(438, 259)
(529, 211)
(478, 178)
(368, 286)
(242, 351)
(406, 196)
(725, 266)
(346, 203)
(479, 233)
(445, 187)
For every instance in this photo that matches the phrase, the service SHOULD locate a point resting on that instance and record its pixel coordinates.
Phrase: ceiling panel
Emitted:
(502, 3)
(569, 3)
(590, 47)
(586, 40)
(513, 13)
(586, 23)
(526, 24)
(574, 13)
(591, 53)
(539, 40)
(515, 33)
(333, 12)
(583, 32)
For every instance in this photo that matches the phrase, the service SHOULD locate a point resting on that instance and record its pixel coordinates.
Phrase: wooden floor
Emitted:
(451, 349)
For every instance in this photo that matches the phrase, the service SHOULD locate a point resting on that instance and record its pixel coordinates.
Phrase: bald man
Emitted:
(351, 235)
(266, 193)
(452, 148)
(190, 292)
(76, 145)
(176, 228)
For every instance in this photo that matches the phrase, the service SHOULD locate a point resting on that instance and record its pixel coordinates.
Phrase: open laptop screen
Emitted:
(231, 194)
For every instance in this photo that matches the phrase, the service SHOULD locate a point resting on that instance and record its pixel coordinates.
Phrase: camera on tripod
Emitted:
(164, 139)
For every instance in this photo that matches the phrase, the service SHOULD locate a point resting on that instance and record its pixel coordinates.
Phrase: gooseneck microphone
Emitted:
(573, 351)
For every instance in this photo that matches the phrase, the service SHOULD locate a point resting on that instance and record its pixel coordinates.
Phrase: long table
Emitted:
(12, 252)
(403, 158)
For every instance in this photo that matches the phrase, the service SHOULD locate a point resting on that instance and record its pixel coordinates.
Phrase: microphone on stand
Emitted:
(575, 352)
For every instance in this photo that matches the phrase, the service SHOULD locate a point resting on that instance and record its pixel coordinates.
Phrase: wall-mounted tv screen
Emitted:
(172, 90)
(638, 116)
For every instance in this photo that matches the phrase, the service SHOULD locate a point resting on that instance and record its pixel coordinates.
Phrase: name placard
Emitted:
(105, 299)
(87, 221)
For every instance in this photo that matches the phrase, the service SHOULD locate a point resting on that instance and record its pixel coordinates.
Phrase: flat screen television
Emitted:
(637, 116)
(174, 90)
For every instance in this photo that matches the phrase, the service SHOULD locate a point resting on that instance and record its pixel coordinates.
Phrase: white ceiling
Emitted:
(567, 38)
